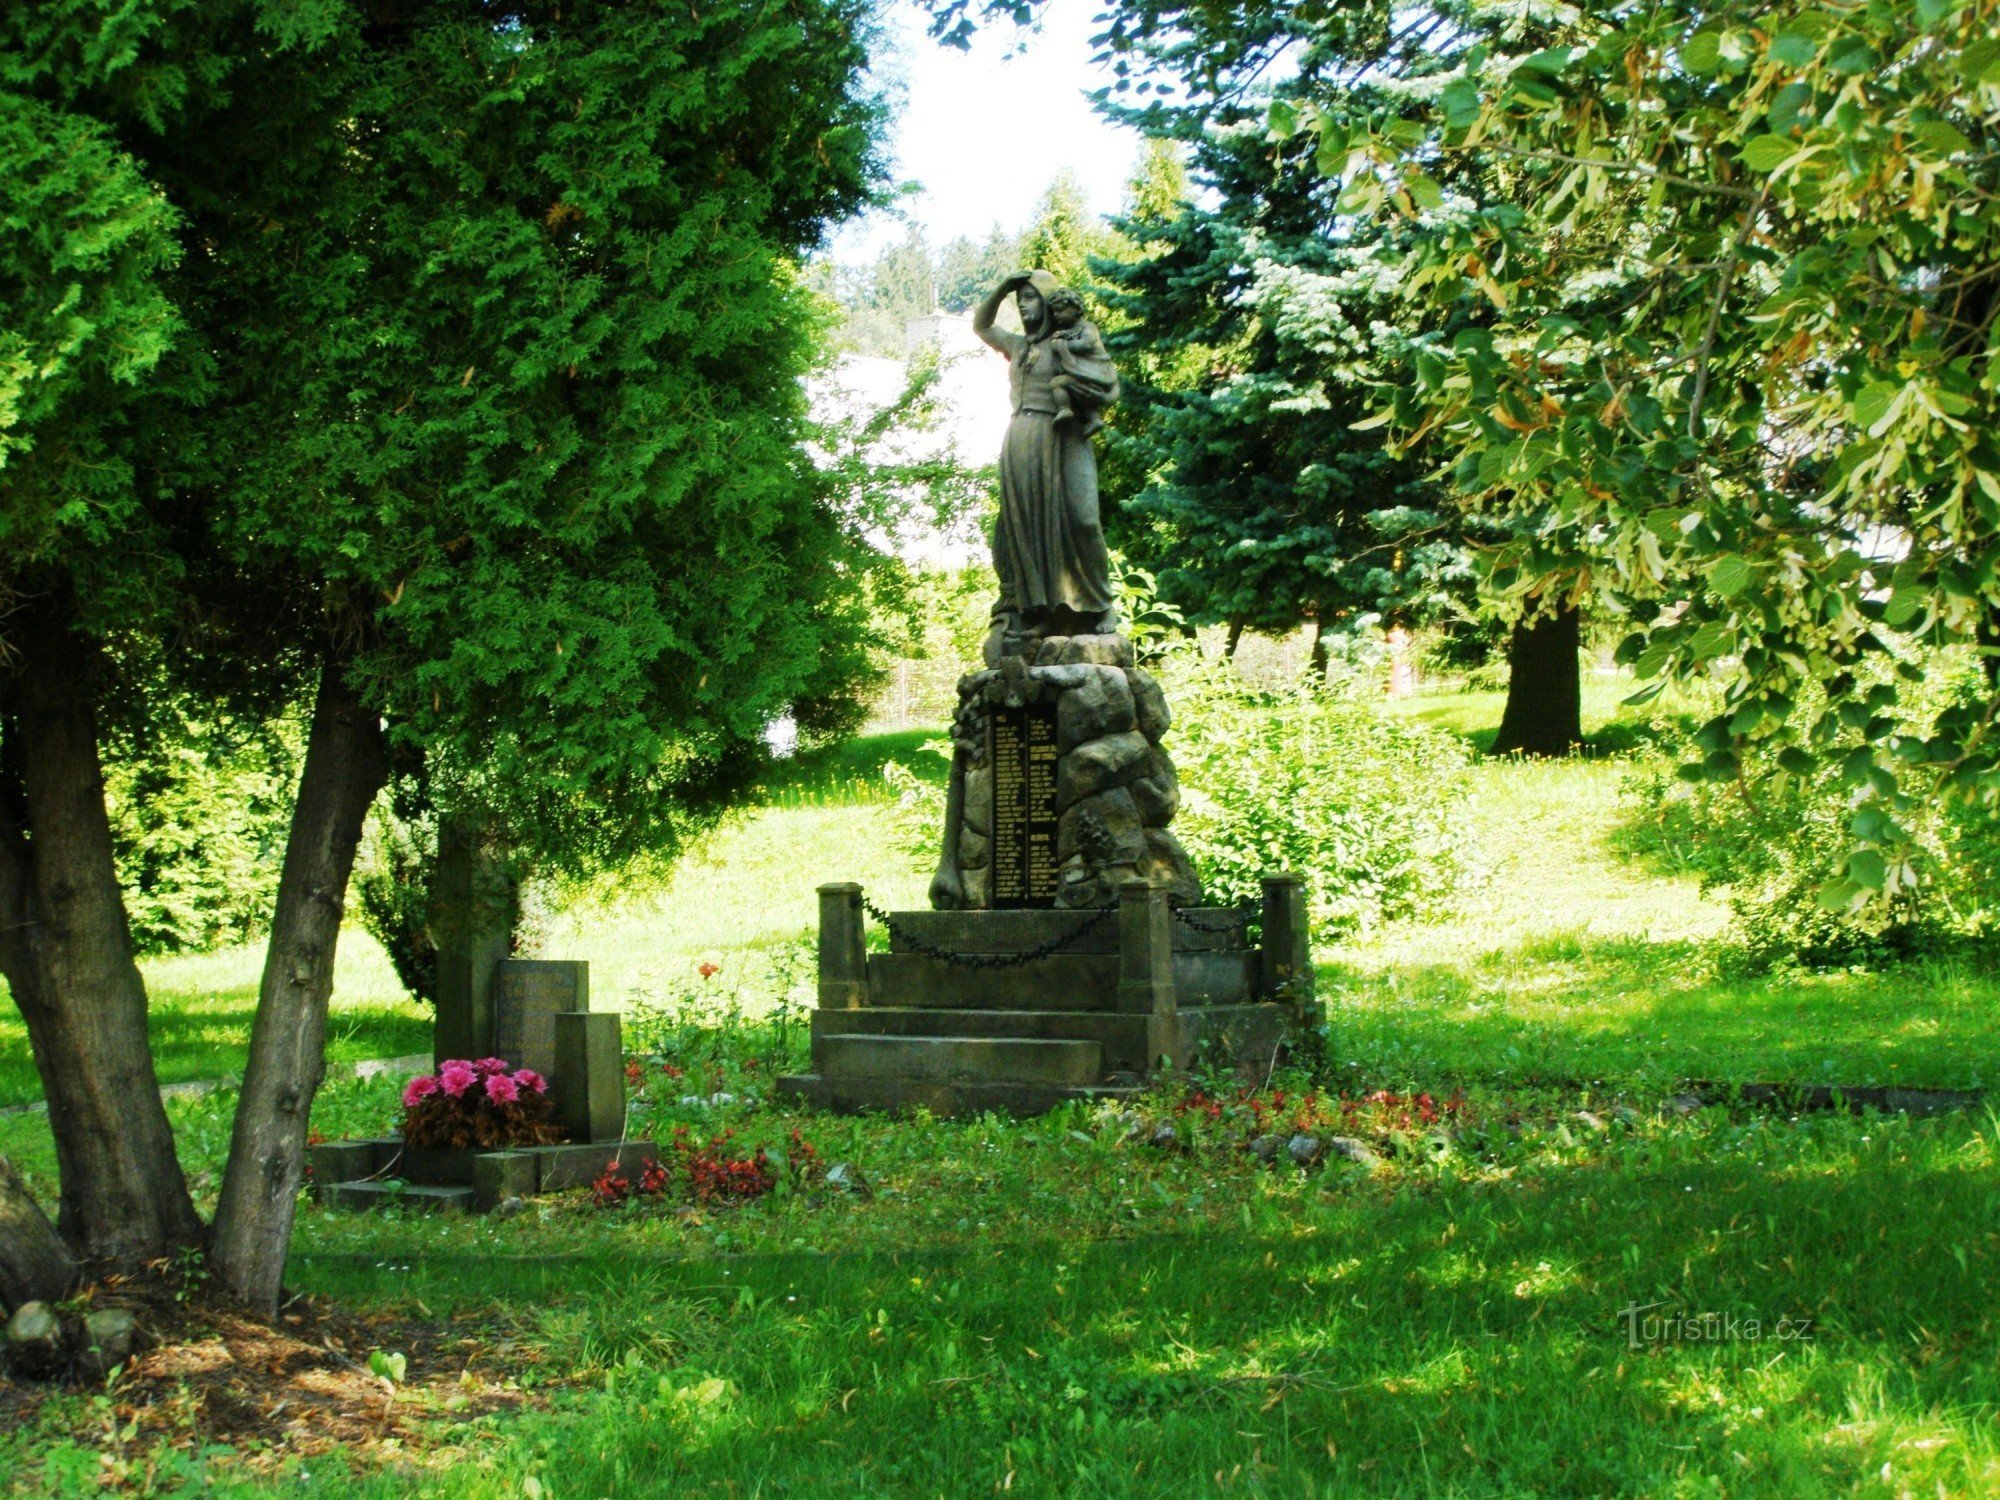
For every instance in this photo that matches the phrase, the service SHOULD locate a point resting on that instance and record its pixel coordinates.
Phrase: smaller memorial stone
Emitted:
(528, 996)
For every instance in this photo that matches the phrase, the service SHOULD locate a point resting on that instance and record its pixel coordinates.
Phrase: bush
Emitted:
(391, 886)
(1771, 841)
(199, 813)
(1369, 808)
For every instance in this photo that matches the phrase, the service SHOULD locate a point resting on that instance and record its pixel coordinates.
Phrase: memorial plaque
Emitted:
(529, 993)
(1023, 758)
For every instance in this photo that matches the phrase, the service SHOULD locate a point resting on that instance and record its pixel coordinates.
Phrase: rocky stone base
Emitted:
(1115, 789)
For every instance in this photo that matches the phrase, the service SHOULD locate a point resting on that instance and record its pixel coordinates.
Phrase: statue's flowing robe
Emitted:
(1048, 545)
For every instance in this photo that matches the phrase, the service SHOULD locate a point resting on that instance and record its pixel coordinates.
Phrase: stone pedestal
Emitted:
(1020, 1009)
(1061, 790)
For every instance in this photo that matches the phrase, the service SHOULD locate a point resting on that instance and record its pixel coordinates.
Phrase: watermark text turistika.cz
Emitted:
(1644, 1324)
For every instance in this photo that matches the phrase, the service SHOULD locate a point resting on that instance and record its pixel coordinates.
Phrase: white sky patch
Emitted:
(984, 132)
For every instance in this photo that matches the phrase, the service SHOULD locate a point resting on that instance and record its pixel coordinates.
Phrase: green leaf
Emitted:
(1793, 49)
(1550, 61)
(1283, 120)
(1796, 761)
(1703, 53)
(1866, 868)
(1851, 55)
(1903, 607)
(1766, 153)
(1712, 640)
(1873, 402)
(1460, 103)
(1942, 138)
(1730, 576)
(1790, 108)
(1425, 191)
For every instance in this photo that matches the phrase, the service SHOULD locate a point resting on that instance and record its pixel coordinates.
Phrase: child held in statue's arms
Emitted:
(1074, 338)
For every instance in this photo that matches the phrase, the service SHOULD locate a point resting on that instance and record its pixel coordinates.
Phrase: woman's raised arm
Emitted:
(983, 315)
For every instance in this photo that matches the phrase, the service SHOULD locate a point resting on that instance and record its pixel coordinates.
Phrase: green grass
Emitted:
(1573, 960)
(201, 1008)
(1055, 1308)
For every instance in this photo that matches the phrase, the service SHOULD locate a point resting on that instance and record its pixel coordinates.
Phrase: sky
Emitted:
(984, 133)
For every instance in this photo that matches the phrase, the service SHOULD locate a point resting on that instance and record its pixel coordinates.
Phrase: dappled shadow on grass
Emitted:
(1650, 1014)
(1457, 1336)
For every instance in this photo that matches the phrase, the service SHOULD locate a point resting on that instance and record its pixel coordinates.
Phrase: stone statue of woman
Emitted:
(1048, 545)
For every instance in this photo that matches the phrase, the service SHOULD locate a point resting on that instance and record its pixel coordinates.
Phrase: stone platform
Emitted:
(357, 1173)
(1019, 1010)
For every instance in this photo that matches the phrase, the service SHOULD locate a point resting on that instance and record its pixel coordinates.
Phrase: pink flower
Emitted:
(491, 1065)
(501, 1089)
(418, 1090)
(528, 1078)
(456, 1077)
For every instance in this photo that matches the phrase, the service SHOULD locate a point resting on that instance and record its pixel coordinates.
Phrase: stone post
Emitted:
(1146, 970)
(475, 901)
(843, 948)
(590, 1075)
(1286, 970)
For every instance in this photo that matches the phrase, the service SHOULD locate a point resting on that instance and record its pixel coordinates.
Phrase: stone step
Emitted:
(891, 1095)
(1062, 981)
(413, 1195)
(1254, 1030)
(959, 1059)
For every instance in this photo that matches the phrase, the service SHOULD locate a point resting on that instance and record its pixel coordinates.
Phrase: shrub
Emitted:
(1772, 841)
(199, 812)
(1370, 808)
(391, 887)
(485, 1104)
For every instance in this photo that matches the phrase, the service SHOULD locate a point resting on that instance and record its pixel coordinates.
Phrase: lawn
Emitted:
(1066, 1308)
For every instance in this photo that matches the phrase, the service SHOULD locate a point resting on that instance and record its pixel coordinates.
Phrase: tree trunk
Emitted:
(1319, 654)
(66, 950)
(345, 767)
(1235, 640)
(35, 1265)
(1544, 714)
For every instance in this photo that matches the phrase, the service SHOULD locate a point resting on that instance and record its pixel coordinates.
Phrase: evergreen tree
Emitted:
(1255, 326)
(1065, 235)
(967, 269)
(465, 402)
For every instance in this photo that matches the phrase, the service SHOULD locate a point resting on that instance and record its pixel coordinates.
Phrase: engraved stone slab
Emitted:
(1021, 750)
(529, 993)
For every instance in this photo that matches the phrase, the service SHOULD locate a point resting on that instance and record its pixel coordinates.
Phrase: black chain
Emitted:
(909, 940)
(1239, 917)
